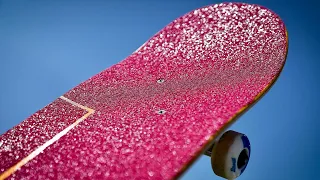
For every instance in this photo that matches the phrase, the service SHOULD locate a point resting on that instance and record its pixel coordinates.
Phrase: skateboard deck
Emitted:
(152, 114)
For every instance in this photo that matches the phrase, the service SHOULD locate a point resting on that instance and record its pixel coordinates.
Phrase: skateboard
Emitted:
(153, 114)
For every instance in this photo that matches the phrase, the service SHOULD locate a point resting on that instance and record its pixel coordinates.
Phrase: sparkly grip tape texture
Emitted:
(200, 71)
(33, 132)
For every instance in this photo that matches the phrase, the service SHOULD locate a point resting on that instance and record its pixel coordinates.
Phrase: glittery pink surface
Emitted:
(155, 110)
(21, 140)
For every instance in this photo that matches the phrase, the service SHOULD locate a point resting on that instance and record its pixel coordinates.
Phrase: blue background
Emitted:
(48, 47)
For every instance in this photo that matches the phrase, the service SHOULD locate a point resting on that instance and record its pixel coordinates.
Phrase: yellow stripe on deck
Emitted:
(41, 148)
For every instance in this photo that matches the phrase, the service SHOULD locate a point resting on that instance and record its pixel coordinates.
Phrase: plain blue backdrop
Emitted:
(47, 47)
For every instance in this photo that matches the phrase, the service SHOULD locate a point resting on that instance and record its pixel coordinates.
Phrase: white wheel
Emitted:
(230, 155)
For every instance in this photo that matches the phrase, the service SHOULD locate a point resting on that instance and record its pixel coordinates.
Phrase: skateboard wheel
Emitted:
(230, 155)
